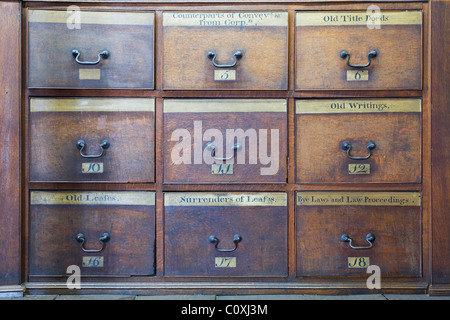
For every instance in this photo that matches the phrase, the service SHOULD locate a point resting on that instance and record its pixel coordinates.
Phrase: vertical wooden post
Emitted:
(10, 88)
(440, 139)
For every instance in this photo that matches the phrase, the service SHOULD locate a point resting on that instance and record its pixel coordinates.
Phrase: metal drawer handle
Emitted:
(81, 144)
(344, 54)
(76, 54)
(103, 239)
(212, 147)
(370, 238)
(236, 239)
(347, 147)
(237, 55)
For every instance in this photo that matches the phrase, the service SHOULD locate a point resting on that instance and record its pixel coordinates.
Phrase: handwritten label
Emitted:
(224, 75)
(225, 262)
(225, 199)
(222, 169)
(92, 262)
(358, 198)
(358, 262)
(89, 74)
(92, 167)
(358, 168)
(357, 75)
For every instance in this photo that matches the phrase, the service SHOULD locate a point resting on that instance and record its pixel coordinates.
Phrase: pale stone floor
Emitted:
(233, 297)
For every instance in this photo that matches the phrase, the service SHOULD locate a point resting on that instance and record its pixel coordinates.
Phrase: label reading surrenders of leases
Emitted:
(225, 19)
(225, 199)
(358, 198)
(358, 106)
(371, 19)
(136, 198)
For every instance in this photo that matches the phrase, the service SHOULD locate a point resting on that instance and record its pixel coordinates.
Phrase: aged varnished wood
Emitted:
(320, 41)
(57, 219)
(126, 36)
(58, 124)
(161, 282)
(262, 227)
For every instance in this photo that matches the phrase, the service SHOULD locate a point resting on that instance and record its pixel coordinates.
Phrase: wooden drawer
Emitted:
(334, 138)
(117, 134)
(65, 224)
(224, 234)
(327, 41)
(200, 134)
(392, 218)
(225, 50)
(121, 43)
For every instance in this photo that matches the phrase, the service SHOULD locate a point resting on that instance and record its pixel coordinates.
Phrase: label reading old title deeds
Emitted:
(343, 18)
(358, 198)
(225, 19)
(358, 106)
(225, 199)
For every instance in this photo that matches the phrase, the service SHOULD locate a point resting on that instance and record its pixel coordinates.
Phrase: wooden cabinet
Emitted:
(182, 110)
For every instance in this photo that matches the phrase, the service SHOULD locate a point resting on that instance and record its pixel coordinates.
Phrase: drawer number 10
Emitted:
(92, 167)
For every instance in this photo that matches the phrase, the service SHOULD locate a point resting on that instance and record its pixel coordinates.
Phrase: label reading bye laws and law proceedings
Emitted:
(225, 19)
(404, 199)
(358, 106)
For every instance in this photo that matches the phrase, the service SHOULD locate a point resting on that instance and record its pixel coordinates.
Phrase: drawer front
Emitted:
(199, 135)
(121, 43)
(384, 226)
(86, 140)
(222, 234)
(225, 50)
(358, 140)
(117, 230)
(335, 47)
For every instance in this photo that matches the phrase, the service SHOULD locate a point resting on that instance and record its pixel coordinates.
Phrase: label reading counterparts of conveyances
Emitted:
(225, 19)
(404, 199)
(225, 199)
(131, 198)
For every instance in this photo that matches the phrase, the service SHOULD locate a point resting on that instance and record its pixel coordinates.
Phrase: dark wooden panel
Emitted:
(54, 154)
(397, 65)
(10, 143)
(263, 65)
(52, 65)
(440, 155)
(248, 164)
(262, 251)
(396, 249)
(396, 157)
(54, 227)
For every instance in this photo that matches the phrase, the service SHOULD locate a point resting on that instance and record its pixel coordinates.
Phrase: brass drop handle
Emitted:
(212, 56)
(210, 146)
(347, 147)
(76, 54)
(370, 238)
(81, 144)
(344, 54)
(103, 239)
(236, 239)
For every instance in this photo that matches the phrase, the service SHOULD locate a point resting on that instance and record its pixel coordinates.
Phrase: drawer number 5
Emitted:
(224, 75)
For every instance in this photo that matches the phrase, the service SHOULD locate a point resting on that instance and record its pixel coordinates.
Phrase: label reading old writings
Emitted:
(225, 19)
(358, 106)
(358, 198)
(225, 199)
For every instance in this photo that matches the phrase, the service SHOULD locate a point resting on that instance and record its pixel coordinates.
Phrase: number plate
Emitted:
(92, 262)
(225, 262)
(222, 169)
(92, 167)
(89, 74)
(358, 262)
(224, 75)
(356, 168)
(357, 75)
